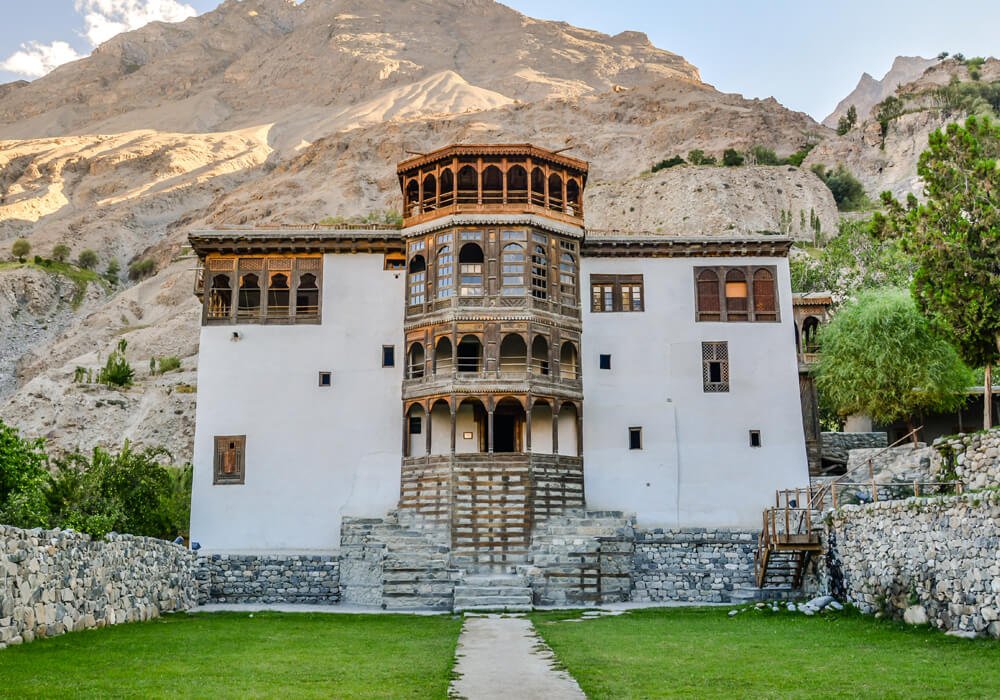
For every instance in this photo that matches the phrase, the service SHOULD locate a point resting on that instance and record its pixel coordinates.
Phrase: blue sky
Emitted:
(806, 54)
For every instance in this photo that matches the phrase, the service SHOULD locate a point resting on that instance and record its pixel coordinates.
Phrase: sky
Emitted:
(808, 55)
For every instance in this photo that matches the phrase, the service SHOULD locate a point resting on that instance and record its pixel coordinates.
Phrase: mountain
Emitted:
(869, 92)
(268, 111)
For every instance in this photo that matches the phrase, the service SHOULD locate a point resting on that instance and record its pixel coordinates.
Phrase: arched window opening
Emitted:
(249, 297)
(513, 354)
(538, 187)
(447, 188)
(810, 335)
(539, 273)
(512, 262)
(415, 361)
(492, 185)
(709, 308)
(572, 197)
(569, 361)
(413, 197)
(220, 297)
(470, 354)
(508, 426)
(470, 263)
(736, 296)
(555, 192)
(541, 427)
(468, 185)
(763, 296)
(567, 279)
(416, 424)
(471, 426)
(517, 185)
(307, 296)
(430, 192)
(540, 355)
(278, 295)
(443, 361)
(417, 279)
(568, 427)
(445, 273)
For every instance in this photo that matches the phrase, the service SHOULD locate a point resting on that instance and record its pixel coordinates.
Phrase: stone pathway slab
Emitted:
(503, 658)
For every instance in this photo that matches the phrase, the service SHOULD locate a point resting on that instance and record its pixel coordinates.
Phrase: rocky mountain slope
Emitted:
(869, 91)
(270, 111)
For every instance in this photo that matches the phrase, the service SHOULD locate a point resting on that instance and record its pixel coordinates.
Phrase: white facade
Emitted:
(313, 454)
(696, 467)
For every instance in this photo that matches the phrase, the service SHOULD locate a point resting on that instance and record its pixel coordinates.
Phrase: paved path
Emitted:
(504, 658)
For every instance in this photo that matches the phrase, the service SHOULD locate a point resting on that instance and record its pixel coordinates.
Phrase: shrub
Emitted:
(117, 371)
(111, 273)
(888, 109)
(800, 155)
(847, 122)
(760, 155)
(87, 259)
(698, 157)
(731, 157)
(168, 364)
(20, 249)
(668, 163)
(60, 253)
(141, 269)
(23, 478)
(848, 192)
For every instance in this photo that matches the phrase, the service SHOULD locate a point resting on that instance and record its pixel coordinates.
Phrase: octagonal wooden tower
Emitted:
(493, 393)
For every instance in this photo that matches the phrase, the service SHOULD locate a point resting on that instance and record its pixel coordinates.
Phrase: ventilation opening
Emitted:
(605, 361)
(325, 378)
(388, 355)
(754, 438)
(635, 438)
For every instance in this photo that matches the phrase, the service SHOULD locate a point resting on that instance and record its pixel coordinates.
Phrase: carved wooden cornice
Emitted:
(492, 149)
(253, 241)
(639, 245)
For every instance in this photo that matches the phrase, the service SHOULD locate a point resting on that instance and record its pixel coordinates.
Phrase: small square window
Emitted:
(325, 378)
(605, 361)
(415, 425)
(635, 438)
(467, 435)
(388, 355)
(754, 438)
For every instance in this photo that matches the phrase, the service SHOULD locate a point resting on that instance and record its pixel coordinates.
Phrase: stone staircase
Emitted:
(493, 592)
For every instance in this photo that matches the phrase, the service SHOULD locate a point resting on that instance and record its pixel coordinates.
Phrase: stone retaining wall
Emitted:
(694, 565)
(905, 463)
(835, 446)
(938, 554)
(269, 578)
(974, 458)
(54, 581)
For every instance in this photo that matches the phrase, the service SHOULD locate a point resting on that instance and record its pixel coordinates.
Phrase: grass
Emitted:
(233, 655)
(700, 652)
(77, 275)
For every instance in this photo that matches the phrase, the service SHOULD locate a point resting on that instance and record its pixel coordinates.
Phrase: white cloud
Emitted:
(102, 19)
(35, 60)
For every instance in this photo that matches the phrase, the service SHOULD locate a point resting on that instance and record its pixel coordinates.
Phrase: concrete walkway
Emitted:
(504, 658)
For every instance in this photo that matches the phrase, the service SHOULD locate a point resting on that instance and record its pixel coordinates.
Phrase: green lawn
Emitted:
(702, 653)
(233, 655)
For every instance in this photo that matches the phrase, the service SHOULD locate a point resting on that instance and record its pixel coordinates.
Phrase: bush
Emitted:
(23, 479)
(117, 371)
(168, 364)
(847, 122)
(111, 273)
(20, 249)
(888, 109)
(731, 157)
(60, 253)
(87, 259)
(698, 157)
(761, 155)
(800, 155)
(848, 192)
(141, 269)
(668, 163)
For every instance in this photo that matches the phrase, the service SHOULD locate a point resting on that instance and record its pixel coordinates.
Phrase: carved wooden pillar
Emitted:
(565, 188)
(479, 181)
(527, 424)
(453, 422)
(454, 350)
(420, 189)
(503, 174)
(437, 191)
(545, 174)
(579, 430)
(489, 426)
(427, 449)
(406, 433)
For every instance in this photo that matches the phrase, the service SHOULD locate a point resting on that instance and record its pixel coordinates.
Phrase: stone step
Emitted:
(489, 591)
(515, 580)
(495, 602)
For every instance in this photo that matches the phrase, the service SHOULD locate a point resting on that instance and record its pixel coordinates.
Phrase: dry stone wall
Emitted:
(55, 581)
(973, 458)
(836, 446)
(937, 558)
(267, 578)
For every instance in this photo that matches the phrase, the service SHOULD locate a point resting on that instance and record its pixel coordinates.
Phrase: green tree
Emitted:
(847, 122)
(668, 163)
(848, 192)
(117, 371)
(955, 238)
(887, 110)
(731, 157)
(111, 273)
(882, 358)
(87, 259)
(761, 155)
(60, 253)
(23, 480)
(20, 249)
(698, 157)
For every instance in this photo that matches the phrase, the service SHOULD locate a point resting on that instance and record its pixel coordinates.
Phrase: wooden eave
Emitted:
(296, 240)
(492, 149)
(645, 246)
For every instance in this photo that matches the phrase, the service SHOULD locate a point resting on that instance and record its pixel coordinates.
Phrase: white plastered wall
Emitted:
(313, 454)
(696, 468)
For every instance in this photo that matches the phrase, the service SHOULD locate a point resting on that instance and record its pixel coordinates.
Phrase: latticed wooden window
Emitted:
(417, 279)
(616, 293)
(709, 308)
(715, 366)
(539, 273)
(764, 307)
(230, 453)
(567, 279)
(513, 259)
(445, 273)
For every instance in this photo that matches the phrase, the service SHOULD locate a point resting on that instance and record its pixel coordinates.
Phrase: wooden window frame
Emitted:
(715, 351)
(617, 283)
(752, 314)
(263, 267)
(238, 477)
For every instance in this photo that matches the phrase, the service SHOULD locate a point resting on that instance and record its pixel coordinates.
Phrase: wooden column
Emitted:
(545, 174)
(503, 174)
(555, 428)
(489, 427)
(479, 181)
(565, 187)
(420, 191)
(406, 433)
(579, 430)
(527, 424)
(453, 422)
(427, 449)
(437, 192)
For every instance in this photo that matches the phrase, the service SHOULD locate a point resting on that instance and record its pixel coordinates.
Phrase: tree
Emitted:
(955, 239)
(23, 477)
(882, 358)
(111, 273)
(698, 157)
(848, 192)
(732, 157)
(60, 253)
(87, 259)
(20, 249)
(117, 371)
(847, 122)
(888, 109)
